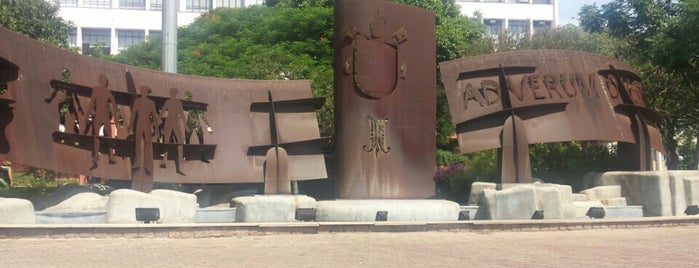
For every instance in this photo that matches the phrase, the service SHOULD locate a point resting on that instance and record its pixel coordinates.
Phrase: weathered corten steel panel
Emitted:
(385, 77)
(560, 95)
(30, 125)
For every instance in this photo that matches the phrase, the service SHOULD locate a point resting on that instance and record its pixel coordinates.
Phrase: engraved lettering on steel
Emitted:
(558, 95)
(63, 111)
(377, 136)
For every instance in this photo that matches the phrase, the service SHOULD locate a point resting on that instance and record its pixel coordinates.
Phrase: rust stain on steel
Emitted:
(385, 100)
(559, 95)
(93, 140)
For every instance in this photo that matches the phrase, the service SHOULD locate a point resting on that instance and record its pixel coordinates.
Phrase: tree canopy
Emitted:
(300, 3)
(659, 39)
(565, 37)
(37, 19)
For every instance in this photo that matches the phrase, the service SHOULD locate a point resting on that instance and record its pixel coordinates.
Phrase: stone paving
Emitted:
(627, 247)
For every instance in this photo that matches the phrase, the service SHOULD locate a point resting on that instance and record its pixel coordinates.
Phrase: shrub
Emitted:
(480, 166)
(447, 158)
(31, 181)
(567, 162)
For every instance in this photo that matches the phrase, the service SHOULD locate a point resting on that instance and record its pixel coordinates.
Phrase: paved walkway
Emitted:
(633, 247)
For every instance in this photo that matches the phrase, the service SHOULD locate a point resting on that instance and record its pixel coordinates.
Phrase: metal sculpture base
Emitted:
(515, 164)
(277, 172)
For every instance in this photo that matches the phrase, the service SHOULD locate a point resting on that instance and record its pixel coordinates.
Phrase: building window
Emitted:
(68, 3)
(229, 3)
(73, 37)
(518, 27)
(98, 3)
(128, 38)
(541, 25)
(156, 5)
(542, 2)
(154, 33)
(132, 4)
(96, 40)
(198, 5)
(494, 27)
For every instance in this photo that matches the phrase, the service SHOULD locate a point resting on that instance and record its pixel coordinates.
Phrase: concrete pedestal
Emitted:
(520, 201)
(398, 210)
(71, 217)
(215, 215)
(270, 208)
(16, 211)
(623, 212)
(123, 202)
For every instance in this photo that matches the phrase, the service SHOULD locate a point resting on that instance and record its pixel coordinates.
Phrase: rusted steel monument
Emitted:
(385, 99)
(80, 115)
(511, 100)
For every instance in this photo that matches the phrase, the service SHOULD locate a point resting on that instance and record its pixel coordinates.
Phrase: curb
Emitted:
(178, 231)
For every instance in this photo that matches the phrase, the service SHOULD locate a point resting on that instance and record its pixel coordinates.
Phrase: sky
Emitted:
(568, 9)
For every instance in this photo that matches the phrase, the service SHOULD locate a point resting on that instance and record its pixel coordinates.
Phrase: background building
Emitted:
(113, 25)
(513, 16)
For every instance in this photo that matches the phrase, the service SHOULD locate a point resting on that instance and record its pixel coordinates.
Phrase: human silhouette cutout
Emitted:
(68, 100)
(98, 116)
(195, 118)
(173, 127)
(144, 123)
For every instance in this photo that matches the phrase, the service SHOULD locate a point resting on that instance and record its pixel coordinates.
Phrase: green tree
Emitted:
(147, 54)
(574, 38)
(687, 149)
(677, 48)
(480, 166)
(568, 162)
(264, 43)
(662, 45)
(37, 19)
(678, 51)
(565, 37)
(300, 3)
(591, 18)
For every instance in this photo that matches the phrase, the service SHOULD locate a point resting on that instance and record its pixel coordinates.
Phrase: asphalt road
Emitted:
(634, 247)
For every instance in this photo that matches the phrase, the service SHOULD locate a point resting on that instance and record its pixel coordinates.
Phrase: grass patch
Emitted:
(34, 182)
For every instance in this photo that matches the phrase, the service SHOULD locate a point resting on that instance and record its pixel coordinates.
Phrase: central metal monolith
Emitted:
(385, 100)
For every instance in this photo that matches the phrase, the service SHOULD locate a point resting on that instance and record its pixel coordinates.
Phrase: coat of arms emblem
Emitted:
(374, 65)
